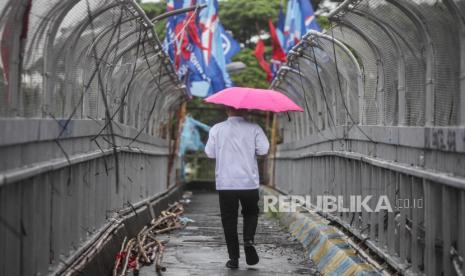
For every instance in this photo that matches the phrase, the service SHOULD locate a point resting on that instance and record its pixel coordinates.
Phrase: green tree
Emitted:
(244, 17)
(154, 9)
(253, 75)
(323, 22)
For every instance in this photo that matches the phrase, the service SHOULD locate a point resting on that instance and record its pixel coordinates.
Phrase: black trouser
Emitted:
(229, 204)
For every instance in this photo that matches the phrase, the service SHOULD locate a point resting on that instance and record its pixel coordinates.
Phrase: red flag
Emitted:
(278, 53)
(259, 52)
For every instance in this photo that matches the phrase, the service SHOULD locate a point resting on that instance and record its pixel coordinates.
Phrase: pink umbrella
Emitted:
(251, 98)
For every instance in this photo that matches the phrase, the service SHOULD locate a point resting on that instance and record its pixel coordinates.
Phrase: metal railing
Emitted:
(86, 98)
(383, 92)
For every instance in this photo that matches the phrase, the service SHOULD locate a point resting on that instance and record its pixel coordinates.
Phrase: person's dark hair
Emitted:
(231, 111)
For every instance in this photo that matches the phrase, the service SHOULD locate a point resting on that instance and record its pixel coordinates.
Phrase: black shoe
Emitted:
(251, 256)
(233, 264)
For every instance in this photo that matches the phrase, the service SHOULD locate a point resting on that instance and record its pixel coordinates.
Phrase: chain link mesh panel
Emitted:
(83, 59)
(391, 72)
(85, 89)
(326, 80)
(409, 70)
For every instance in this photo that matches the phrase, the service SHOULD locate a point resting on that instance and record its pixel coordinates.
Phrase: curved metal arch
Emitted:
(51, 67)
(296, 87)
(316, 96)
(146, 73)
(309, 36)
(83, 26)
(390, 30)
(171, 102)
(15, 105)
(76, 34)
(148, 91)
(76, 57)
(327, 79)
(379, 65)
(140, 71)
(126, 35)
(129, 48)
(108, 29)
(381, 85)
(153, 78)
(287, 81)
(130, 99)
(342, 8)
(41, 31)
(118, 57)
(149, 68)
(110, 72)
(326, 75)
(160, 88)
(416, 18)
(460, 15)
(49, 39)
(5, 9)
(289, 125)
(165, 104)
(151, 25)
(282, 73)
(160, 105)
(74, 42)
(401, 87)
(70, 55)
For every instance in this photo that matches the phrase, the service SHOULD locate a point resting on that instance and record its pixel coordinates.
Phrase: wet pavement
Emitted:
(200, 249)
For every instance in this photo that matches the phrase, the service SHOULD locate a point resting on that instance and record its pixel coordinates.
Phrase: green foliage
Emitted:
(323, 22)
(207, 113)
(244, 17)
(253, 75)
(152, 10)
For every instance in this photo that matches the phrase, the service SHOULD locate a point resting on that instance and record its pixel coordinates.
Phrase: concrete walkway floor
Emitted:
(200, 249)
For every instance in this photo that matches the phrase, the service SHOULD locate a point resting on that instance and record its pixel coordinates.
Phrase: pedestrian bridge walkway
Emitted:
(200, 249)
(90, 107)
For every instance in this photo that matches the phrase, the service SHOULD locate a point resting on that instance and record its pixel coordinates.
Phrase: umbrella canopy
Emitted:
(252, 98)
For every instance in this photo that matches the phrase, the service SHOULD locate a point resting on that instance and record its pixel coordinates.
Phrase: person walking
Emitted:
(235, 144)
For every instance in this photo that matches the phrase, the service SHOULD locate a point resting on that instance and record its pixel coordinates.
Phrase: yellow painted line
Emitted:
(322, 251)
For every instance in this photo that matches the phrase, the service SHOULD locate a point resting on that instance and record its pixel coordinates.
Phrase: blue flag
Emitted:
(308, 18)
(213, 53)
(280, 26)
(194, 43)
(291, 28)
(190, 136)
(199, 81)
(181, 36)
(230, 46)
(299, 20)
